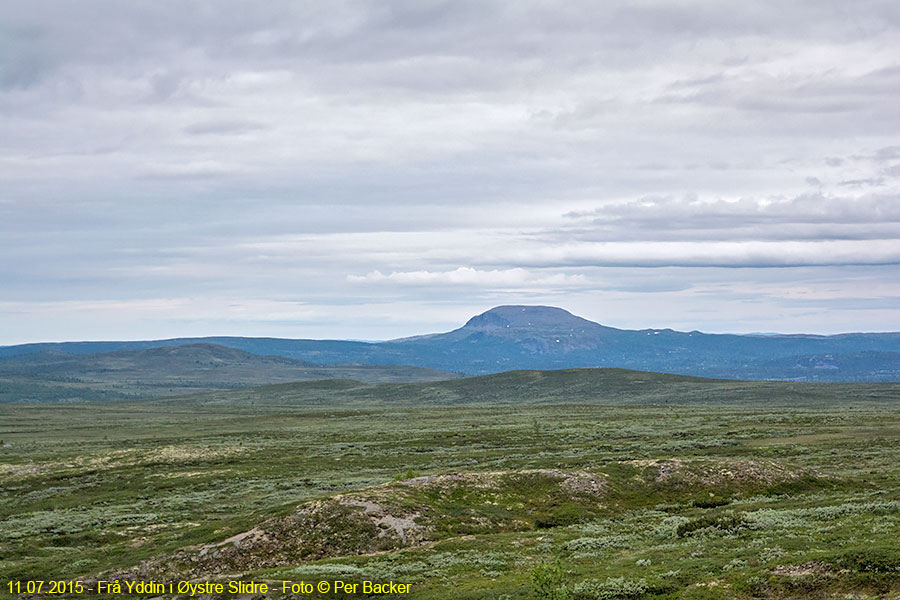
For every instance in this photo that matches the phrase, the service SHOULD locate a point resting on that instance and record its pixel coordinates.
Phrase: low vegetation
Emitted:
(747, 495)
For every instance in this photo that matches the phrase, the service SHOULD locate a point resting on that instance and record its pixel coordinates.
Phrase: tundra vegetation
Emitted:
(615, 485)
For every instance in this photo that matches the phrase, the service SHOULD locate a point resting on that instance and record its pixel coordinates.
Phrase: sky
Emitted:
(372, 170)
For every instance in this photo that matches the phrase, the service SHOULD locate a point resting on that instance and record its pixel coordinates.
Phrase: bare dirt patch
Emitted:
(806, 569)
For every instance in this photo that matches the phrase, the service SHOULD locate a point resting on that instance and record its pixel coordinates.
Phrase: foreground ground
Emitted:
(557, 500)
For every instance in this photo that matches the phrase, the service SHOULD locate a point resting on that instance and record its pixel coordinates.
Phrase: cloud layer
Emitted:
(372, 170)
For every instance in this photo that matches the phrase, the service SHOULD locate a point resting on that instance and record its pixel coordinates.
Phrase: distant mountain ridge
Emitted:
(545, 337)
(50, 374)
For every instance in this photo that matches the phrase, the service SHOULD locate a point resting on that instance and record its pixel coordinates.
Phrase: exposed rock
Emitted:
(580, 482)
(404, 527)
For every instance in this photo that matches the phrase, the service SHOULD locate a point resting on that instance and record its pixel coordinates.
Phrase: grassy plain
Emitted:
(704, 489)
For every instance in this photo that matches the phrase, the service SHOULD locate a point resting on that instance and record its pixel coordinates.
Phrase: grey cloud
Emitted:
(711, 254)
(180, 171)
(892, 170)
(692, 213)
(818, 94)
(887, 153)
(24, 59)
(868, 182)
(224, 127)
(157, 150)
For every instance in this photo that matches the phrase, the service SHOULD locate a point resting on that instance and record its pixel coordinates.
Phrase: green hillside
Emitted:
(576, 386)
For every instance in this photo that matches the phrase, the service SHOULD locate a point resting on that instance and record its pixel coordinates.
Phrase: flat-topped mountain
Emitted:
(546, 337)
(538, 329)
(531, 318)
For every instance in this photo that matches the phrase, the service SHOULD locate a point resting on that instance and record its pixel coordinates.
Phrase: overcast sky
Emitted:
(371, 170)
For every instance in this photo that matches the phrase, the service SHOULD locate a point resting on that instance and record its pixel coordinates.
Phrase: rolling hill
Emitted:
(170, 370)
(612, 387)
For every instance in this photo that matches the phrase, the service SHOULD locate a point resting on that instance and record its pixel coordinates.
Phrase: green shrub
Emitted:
(613, 587)
(561, 516)
(593, 544)
(404, 475)
(548, 581)
(870, 560)
(727, 523)
(710, 501)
